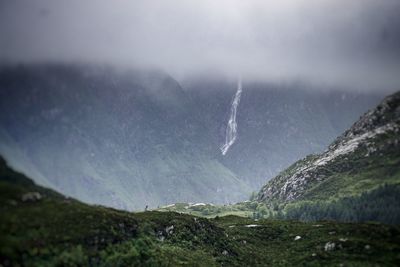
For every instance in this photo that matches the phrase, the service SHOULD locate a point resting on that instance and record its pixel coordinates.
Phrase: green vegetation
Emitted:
(40, 227)
(379, 205)
(243, 209)
(356, 180)
(348, 175)
(355, 174)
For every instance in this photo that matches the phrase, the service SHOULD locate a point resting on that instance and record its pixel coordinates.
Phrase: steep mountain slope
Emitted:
(40, 227)
(277, 123)
(129, 139)
(363, 158)
(104, 136)
(357, 179)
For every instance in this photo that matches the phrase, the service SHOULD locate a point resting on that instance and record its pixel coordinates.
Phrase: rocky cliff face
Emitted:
(346, 166)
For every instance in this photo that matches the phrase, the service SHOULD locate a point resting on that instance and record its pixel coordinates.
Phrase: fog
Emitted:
(354, 44)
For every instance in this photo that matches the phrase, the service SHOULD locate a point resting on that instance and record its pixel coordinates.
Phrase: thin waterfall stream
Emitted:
(231, 128)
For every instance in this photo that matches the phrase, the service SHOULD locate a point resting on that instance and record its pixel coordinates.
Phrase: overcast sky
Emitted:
(349, 42)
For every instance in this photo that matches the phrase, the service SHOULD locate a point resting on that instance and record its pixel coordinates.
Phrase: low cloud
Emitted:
(348, 43)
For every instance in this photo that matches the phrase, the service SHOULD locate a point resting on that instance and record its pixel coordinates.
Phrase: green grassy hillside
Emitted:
(40, 227)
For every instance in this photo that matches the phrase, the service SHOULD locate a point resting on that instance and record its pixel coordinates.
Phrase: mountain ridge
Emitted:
(356, 179)
(374, 135)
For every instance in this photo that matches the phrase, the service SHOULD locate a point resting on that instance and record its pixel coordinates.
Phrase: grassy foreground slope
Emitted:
(39, 227)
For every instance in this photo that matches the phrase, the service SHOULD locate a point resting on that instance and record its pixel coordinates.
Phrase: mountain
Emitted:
(104, 136)
(136, 138)
(276, 123)
(361, 163)
(40, 227)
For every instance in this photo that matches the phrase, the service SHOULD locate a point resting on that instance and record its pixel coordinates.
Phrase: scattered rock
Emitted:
(251, 225)
(329, 246)
(169, 229)
(225, 253)
(343, 239)
(367, 247)
(160, 236)
(314, 254)
(332, 233)
(197, 204)
(297, 238)
(31, 197)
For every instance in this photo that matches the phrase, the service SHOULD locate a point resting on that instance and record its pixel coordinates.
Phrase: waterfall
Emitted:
(231, 128)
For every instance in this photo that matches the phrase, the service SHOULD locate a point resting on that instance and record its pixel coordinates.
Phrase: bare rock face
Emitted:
(376, 133)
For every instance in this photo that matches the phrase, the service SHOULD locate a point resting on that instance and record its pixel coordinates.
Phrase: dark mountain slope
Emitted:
(357, 179)
(117, 138)
(134, 138)
(277, 123)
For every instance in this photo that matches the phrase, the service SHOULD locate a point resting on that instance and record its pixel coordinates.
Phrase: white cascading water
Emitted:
(231, 128)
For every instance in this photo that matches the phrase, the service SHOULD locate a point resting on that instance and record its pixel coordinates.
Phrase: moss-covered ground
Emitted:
(48, 229)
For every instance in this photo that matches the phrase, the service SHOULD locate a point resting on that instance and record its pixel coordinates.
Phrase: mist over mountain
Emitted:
(128, 139)
(362, 158)
(355, 179)
(354, 44)
(199, 133)
(277, 123)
